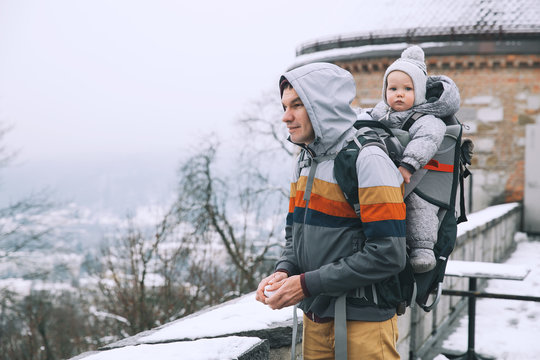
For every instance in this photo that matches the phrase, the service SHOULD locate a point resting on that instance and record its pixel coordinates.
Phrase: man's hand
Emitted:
(406, 174)
(289, 293)
(276, 280)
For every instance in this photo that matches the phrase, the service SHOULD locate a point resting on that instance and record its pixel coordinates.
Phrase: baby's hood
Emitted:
(442, 96)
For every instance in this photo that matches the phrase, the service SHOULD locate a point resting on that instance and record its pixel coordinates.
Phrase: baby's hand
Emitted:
(406, 174)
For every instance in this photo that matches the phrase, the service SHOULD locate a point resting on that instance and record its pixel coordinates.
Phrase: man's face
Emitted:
(296, 118)
(399, 91)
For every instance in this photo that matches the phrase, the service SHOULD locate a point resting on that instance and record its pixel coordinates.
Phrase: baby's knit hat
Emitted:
(411, 63)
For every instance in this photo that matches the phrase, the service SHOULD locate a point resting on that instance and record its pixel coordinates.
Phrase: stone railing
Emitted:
(245, 329)
(487, 236)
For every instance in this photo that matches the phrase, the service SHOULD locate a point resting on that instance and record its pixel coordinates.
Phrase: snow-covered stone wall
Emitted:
(247, 330)
(488, 236)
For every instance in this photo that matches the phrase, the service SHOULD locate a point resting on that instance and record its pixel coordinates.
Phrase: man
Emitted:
(329, 253)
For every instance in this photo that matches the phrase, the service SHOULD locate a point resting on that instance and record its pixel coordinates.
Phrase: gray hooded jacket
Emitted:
(326, 243)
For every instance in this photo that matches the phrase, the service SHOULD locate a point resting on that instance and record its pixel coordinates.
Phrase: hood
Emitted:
(327, 92)
(442, 96)
(412, 63)
(442, 99)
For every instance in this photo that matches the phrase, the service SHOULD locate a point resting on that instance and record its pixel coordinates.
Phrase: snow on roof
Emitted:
(388, 18)
(353, 52)
(205, 349)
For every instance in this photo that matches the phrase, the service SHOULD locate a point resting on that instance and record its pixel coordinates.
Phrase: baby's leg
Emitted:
(422, 226)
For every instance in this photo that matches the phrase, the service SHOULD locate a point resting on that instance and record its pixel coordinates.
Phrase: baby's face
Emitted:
(399, 91)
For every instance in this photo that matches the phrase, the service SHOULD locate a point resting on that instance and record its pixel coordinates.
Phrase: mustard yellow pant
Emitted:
(365, 340)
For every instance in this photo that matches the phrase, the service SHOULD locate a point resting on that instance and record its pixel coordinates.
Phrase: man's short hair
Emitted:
(284, 84)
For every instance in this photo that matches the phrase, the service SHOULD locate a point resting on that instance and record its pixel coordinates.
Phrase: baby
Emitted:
(404, 93)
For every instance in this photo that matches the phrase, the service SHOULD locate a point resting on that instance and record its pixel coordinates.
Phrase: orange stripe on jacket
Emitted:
(292, 197)
(331, 207)
(323, 188)
(380, 194)
(291, 205)
(379, 212)
(299, 201)
(326, 198)
(323, 205)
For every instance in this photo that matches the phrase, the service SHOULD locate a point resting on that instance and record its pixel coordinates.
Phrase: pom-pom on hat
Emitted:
(413, 64)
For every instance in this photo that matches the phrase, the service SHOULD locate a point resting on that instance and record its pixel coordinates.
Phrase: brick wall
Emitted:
(500, 94)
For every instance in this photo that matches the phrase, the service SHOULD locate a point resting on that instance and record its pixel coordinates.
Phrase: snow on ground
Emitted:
(506, 329)
(205, 349)
(24, 287)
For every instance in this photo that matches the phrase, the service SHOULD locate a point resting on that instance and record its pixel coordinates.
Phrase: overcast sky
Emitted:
(103, 77)
(91, 82)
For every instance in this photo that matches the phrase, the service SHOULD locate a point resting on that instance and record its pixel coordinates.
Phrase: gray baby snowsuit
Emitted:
(426, 136)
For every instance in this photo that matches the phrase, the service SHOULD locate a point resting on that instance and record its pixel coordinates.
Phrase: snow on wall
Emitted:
(204, 349)
(485, 216)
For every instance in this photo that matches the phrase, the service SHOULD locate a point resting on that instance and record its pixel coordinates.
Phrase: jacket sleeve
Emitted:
(383, 219)
(287, 261)
(427, 134)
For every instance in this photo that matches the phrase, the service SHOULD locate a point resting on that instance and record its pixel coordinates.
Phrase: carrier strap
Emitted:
(462, 216)
(314, 162)
(415, 180)
(340, 327)
(294, 333)
(309, 183)
(340, 317)
(410, 121)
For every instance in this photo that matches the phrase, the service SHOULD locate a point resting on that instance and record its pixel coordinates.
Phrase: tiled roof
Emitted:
(429, 20)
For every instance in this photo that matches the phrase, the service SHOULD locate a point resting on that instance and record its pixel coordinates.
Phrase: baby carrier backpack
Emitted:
(437, 183)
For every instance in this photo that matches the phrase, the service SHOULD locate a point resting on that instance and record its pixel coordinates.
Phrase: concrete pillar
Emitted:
(531, 221)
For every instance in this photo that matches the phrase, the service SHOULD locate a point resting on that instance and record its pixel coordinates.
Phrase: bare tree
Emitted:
(262, 122)
(235, 221)
(33, 326)
(138, 276)
(22, 225)
(21, 222)
(221, 234)
(27, 321)
(5, 155)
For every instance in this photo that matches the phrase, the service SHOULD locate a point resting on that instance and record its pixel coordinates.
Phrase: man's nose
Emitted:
(287, 116)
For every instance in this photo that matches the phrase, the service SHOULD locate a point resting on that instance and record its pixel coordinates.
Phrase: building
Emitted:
(491, 49)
